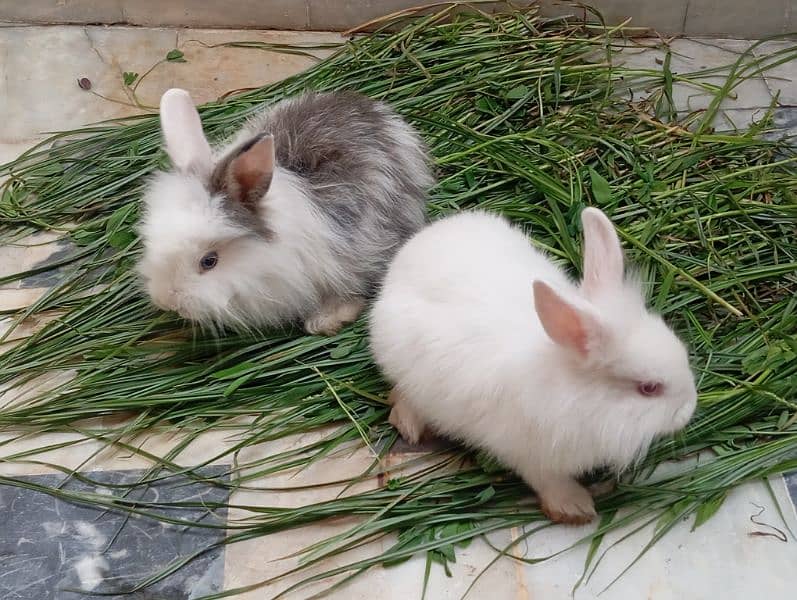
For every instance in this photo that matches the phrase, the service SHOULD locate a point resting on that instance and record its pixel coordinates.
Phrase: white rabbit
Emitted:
(487, 341)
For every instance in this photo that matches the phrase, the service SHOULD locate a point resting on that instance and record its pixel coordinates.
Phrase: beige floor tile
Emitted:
(214, 71)
(264, 558)
(783, 77)
(103, 54)
(11, 150)
(15, 299)
(28, 252)
(71, 53)
(738, 119)
(692, 56)
(90, 455)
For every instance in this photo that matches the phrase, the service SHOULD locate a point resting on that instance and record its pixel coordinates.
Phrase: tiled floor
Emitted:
(49, 546)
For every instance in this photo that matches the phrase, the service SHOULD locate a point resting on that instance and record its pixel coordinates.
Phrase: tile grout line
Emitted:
(686, 14)
(765, 77)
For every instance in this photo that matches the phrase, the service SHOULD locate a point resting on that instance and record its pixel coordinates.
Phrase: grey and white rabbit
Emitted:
(294, 219)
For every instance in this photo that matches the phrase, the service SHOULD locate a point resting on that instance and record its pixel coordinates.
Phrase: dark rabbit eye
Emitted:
(649, 388)
(209, 261)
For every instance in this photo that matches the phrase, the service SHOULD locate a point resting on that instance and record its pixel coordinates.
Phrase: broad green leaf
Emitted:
(516, 93)
(485, 494)
(447, 550)
(119, 216)
(121, 239)
(708, 509)
(672, 514)
(484, 105)
(85, 237)
(341, 350)
(601, 190)
(175, 56)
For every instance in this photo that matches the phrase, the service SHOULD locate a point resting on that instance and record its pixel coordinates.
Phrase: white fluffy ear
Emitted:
(603, 255)
(182, 131)
(571, 326)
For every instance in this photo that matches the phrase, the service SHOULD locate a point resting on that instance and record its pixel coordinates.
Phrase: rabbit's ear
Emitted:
(185, 142)
(567, 324)
(603, 255)
(249, 173)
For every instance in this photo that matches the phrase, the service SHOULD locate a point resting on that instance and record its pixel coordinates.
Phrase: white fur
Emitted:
(455, 330)
(259, 282)
(182, 132)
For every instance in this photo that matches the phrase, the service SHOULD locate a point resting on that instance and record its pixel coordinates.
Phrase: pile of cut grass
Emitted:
(525, 117)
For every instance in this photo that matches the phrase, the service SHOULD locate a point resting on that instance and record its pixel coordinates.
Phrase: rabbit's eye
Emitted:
(649, 388)
(209, 261)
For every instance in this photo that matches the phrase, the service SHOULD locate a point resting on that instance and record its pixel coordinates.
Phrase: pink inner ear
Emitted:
(564, 323)
(603, 255)
(247, 170)
(251, 166)
(252, 171)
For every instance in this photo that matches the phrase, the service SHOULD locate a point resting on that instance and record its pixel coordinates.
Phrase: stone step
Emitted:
(716, 18)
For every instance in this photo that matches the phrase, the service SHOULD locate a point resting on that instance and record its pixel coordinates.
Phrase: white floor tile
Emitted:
(692, 56)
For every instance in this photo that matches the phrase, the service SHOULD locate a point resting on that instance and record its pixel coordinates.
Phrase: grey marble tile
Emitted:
(786, 119)
(784, 126)
(791, 485)
(50, 547)
(63, 249)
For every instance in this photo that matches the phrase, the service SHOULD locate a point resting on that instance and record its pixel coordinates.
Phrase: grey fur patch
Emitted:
(241, 216)
(238, 213)
(366, 170)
